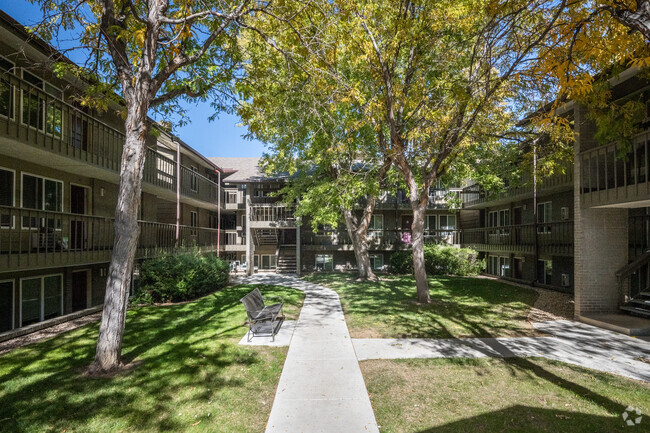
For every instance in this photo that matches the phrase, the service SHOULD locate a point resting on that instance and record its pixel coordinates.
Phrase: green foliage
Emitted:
(448, 260)
(401, 262)
(180, 277)
(440, 260)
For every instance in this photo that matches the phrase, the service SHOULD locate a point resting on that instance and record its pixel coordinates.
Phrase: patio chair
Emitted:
(263, 320)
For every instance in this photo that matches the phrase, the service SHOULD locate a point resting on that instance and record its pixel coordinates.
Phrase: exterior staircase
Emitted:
(634, 285)
(286, 263)
(265, 237)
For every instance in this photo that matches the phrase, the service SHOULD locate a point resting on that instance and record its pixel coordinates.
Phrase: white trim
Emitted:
(12, 71)
(88, 198)
(22, 191)
(13, 301)
(42, 296)
(44, 109)
(13, 199)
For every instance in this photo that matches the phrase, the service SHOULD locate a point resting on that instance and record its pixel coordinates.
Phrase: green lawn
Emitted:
(191, 375)
(497, 395)
(460, 307)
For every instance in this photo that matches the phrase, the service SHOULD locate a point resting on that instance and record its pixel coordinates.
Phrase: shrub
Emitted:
(180, 277)
(440, 260)
(401, 262)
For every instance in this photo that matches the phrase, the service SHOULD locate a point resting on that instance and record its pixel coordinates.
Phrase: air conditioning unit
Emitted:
(566, 280)
(564, 213)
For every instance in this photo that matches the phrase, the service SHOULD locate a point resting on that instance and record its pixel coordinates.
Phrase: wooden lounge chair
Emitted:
(263, 320)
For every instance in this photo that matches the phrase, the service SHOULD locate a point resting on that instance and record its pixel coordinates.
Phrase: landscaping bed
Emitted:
(460, 307)
(189, 373)
(500, 395)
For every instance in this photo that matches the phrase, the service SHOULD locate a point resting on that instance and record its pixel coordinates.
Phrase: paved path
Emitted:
(571, 342)
(321, 388)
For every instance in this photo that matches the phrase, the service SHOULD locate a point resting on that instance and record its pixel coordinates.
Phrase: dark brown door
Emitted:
(407, 222)
(6, 299)
(517, 216)
(78, 205)
(79, 290)
(518, 268)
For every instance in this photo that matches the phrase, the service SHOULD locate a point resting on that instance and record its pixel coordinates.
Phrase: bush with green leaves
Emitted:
(440, 260)
(180, 277)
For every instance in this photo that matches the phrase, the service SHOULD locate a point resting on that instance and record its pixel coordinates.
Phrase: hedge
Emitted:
(440, 260)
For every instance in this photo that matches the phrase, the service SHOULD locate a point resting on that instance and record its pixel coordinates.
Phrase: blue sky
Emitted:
(221, 137)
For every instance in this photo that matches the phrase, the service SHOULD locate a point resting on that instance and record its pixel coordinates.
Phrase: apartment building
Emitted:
(585, 232)
(279, 241)
(59, 175)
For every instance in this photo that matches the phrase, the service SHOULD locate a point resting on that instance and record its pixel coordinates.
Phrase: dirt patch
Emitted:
(53, 331)
(93, 373)
(551, 305)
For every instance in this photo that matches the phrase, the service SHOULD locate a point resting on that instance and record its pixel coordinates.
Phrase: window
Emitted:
(42, 194)
(194, 219)
(377, 261)
(194, 179)
(499, 266)
(544, 217)
(447, 222)
(499, 218)
(231, 197)
(432, 222)
(6, 89)
(6, 197)
(376, 227)
(324, 262)
(41, 298)
(545, 271)
(38, 110)
(268, 261)
(6, 306)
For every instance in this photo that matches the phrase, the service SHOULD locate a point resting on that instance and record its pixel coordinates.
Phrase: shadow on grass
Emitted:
(460, 307)
(188, 361)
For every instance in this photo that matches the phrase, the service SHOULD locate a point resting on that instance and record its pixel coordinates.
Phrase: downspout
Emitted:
(535, 216)
(178, 192)
(218, 212)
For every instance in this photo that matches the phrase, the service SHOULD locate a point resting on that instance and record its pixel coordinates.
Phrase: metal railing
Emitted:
(271, 212)
(32, 238)
(381, 238)
(607, 177)
(472, 195)
(554, 237)
(34, 117)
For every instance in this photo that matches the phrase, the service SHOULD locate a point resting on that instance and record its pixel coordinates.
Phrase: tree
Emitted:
(153, 53)
(331, 155)
(433, 77)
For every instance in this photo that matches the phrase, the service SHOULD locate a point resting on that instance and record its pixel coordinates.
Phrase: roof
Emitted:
(244, 170)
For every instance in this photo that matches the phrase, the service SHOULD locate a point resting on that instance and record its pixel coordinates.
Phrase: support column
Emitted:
(249, 241)
(600, 238)
(298, 246)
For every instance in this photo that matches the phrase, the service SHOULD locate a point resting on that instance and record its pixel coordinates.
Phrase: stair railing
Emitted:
(624, 274)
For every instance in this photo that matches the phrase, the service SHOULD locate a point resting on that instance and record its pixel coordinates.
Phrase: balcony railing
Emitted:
(271, 213)
(34, 117)
(608, 178)
(551, 238)
(472, 195)
(379, 239)
(437, 199)
(33, 238)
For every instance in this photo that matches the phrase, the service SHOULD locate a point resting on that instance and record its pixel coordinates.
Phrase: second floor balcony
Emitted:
(31, 239)
(388, 240)
(543, 238)
(34, 117)
(271, 215)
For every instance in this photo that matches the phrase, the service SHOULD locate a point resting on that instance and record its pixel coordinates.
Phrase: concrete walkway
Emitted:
(321, 388)
(571, 342)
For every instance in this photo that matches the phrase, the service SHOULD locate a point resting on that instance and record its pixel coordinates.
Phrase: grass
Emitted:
(500, 395)
(460, 307)
(191, 375)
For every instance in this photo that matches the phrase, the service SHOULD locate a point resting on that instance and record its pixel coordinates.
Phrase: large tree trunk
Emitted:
(417, 239)
(111, 331)
(359, 236)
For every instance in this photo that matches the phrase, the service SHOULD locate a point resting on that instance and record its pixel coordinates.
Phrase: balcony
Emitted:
(388, 240)
(31, 239)
(545, 238)
(79, 142)
(473, 197)
(607, 179)
(233, 241)
(438, 199)
(265, 216)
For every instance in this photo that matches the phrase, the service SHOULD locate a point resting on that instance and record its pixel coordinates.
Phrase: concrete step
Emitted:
(636, 311)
